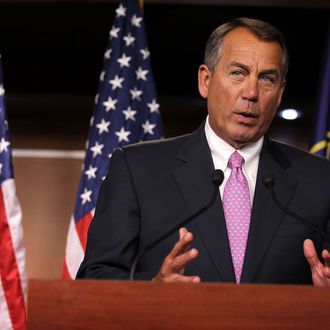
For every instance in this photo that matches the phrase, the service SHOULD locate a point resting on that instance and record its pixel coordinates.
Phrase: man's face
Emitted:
(245, 88)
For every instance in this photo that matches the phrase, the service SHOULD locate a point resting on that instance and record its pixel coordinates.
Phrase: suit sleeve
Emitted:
(112, 241)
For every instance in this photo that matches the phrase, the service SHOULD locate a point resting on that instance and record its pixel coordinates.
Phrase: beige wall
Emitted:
(46, 189)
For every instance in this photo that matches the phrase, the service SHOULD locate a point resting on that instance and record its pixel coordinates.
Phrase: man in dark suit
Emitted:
(243, 237)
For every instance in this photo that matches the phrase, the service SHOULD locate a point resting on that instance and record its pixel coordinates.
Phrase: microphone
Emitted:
(217, 179)
(269, 181)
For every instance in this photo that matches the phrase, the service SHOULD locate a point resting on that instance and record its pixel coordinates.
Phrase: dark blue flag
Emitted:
(321, 137)
(126, 112)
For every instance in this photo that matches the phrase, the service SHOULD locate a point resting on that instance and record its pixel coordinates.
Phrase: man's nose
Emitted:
(250, 90)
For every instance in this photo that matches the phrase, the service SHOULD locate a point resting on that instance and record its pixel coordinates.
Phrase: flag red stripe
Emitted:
(65, 273)
(82, 228)
(9, 272)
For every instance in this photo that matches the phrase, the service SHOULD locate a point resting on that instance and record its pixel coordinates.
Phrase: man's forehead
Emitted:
(240, 45)
(241, 38)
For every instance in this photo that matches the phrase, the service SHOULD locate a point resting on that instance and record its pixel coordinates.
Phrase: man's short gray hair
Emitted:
(262, 30)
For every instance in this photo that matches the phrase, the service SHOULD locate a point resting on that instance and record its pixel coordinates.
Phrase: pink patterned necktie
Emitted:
(237, 209)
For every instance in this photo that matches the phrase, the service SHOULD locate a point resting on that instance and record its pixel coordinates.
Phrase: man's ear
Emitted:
(204, 76)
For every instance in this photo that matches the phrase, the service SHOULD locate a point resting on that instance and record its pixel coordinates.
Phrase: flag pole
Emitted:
(141, 2)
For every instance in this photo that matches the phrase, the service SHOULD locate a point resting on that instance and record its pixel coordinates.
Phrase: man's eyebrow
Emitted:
(239, 65)
(270, 71)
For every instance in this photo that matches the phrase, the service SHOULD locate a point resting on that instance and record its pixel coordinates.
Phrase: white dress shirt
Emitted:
(221, 151)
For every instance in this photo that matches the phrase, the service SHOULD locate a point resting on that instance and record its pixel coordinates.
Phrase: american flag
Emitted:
(126, 111)
(12, 252)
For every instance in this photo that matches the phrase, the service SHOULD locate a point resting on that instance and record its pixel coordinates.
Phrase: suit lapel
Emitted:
(266, 217)
(194, 181)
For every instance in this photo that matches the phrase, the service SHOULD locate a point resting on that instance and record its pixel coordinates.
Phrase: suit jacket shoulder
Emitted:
(300, 163)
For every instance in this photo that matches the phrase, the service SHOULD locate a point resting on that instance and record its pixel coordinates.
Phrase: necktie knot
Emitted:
(235, 160)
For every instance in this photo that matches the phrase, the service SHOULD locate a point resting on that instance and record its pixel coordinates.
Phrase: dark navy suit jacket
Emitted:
(151, 187)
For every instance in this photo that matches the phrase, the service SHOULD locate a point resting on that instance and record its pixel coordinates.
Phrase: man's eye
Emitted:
(267, 79)
(236, 73)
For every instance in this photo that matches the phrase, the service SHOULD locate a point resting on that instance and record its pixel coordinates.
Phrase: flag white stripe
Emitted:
(74, 252)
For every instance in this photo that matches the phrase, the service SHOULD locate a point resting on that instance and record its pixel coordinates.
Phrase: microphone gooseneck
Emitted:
(217, 179)
(269, 181)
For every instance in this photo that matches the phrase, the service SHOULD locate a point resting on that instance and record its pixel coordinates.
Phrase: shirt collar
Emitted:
(221, 150)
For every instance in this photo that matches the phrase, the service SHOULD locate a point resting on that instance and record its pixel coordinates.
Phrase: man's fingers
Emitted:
(326, 258)
(182, 231)
(182, 260)
(176, 278)
(177, 264)
(310, 254)
(172, 268)
(182, 244)
(186, 279)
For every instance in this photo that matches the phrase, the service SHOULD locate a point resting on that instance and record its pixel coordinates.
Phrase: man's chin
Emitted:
(242, 140)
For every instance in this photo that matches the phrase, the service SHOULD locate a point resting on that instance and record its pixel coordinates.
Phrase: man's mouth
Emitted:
(245, 117)
(246, 114)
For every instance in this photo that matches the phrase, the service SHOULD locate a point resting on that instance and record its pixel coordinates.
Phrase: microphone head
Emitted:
(217, 177)
(268, 178)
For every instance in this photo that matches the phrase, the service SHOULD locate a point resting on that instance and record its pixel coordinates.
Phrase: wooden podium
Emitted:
(87, 304)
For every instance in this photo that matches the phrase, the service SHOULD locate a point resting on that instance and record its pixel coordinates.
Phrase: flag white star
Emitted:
(129, 113)
(114, 32)
(136, 21)
(97, 149)
(102, 75)
(141, 74)
(91, 172)
(145, 53)
(4, 145)
(123, 135)
(86, 196)
(124, 60)
(2, 90)
(129, 39)
(107, 54)
(1, 166)
(136, 93)
(148, 128)
(103, 126)
(121, 11)
(116, 82)
(110, 104)
(153, 106)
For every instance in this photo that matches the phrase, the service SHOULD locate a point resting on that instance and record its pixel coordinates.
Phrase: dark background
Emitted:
(52, 53)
